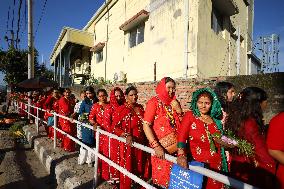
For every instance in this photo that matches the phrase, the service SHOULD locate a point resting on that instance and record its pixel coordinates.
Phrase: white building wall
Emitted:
(217, 53)
(163, 42)
(208, 54)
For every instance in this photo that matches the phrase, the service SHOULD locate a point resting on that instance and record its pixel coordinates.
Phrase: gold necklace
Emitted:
(204, 118)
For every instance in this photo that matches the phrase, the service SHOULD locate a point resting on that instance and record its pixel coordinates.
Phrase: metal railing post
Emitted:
(37, 120)
(95, 183)
(54, 130)
(15, 106)
(29, 108)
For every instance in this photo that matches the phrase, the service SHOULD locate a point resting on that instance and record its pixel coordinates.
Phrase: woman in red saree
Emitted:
(40, 104)
(22, 101)
(196, 130)
(34, 102)
(51, 105)
(116, 99)
(225, 92)
(245, 120)
(66, 108)
(128, 123)
(160, 120)
(96, 119)
(275, 144)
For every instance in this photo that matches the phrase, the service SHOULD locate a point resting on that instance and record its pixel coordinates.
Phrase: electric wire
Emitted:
(12, 27)
(42, 12)
(8, 18)
(18, 23)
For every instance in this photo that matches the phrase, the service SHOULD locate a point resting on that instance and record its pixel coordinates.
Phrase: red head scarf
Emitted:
(163, 93)
(113, 100)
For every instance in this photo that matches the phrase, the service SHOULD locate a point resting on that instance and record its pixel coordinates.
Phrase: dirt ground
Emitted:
(19, 166)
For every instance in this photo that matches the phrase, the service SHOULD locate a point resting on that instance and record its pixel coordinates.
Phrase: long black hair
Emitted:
(221, 90)
(92, 90)
(247, 105)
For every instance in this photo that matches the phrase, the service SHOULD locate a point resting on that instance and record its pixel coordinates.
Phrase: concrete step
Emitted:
(59, 163)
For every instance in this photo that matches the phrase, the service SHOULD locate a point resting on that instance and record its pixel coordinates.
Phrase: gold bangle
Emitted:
(125, 135)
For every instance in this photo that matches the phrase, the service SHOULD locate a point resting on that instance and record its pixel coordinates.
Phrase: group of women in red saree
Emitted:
(166, 128)
(60, 102)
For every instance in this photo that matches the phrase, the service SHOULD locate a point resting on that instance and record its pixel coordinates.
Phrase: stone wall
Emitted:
(273, 84)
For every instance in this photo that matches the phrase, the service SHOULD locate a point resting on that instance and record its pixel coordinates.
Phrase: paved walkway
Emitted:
(19, 167)
(39, 165)
(58, 162)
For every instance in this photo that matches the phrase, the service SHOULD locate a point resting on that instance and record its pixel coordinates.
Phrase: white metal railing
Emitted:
(204, 171)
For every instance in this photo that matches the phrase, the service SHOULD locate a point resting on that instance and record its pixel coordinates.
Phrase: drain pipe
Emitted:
(186, 28)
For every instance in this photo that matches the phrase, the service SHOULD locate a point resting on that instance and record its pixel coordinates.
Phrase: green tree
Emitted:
(14, 65)
(42, 70)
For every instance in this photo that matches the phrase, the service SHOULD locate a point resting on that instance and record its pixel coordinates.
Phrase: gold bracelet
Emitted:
(126, 135)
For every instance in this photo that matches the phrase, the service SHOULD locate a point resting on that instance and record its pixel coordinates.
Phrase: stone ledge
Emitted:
(60, 164)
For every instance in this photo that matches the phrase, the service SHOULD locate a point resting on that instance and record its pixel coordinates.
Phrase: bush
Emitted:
(17, 130)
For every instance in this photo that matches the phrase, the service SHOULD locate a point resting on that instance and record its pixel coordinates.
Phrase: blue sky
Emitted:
(269, 18)
(57, 14)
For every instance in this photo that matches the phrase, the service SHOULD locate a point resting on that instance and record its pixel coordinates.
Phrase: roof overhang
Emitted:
(247, 2)
(99, 46)
(226, 7)
(135, 20)
(71, 35)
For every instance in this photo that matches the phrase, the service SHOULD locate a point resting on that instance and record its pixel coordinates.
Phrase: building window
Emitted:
(99, 56)
(136, 35)
(216, 21)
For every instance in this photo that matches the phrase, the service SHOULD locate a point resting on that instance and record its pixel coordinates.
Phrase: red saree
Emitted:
(22, 100)
(113, 145)
(42, 106)
(275, 141)
(156, 114)
(66, 107)
(32, 109)
(260, 169)
(96, 114)
(36, 104)
(128, 120)
(39, 103)
(51, 103)
(193, 130)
